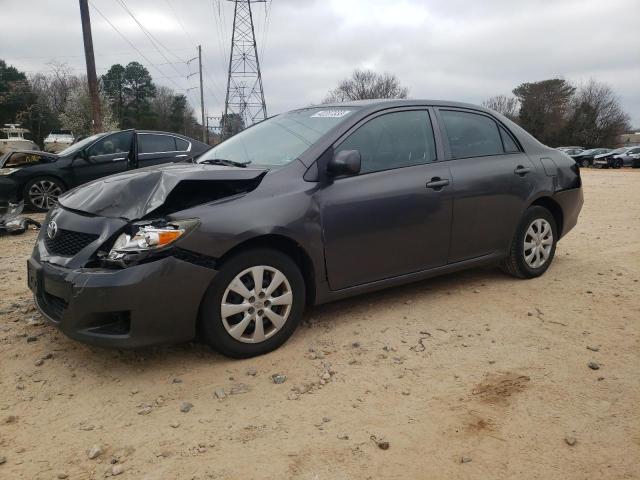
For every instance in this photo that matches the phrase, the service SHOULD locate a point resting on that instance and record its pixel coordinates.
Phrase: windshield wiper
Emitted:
(226, 163)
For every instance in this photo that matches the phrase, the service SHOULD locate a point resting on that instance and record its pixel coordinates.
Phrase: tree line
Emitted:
(558, 113)
(59, 99)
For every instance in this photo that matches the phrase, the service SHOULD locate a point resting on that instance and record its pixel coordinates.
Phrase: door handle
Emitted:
(522, 171)
(436, 183)
(182, 155)
(118, 159)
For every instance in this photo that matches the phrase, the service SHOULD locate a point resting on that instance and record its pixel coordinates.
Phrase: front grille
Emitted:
(67, 243)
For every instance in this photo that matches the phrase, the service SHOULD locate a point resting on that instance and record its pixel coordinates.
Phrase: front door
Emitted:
(111, 154)
(394, 217)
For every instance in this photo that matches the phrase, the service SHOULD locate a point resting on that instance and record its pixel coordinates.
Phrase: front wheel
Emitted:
(40, 194)
(533, 246)
(254, 304)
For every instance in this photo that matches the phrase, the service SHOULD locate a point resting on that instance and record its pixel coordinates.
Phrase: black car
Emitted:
(585, 158)
(307, 207)
(39, 178)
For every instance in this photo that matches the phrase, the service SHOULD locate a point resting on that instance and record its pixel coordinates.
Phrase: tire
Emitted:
(41, 193)
(247, 342)
(519, 263)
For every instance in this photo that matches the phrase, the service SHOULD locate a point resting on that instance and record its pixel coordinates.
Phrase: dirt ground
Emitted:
(474, 375)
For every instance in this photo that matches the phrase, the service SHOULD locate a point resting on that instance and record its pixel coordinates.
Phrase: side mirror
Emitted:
(346, 162)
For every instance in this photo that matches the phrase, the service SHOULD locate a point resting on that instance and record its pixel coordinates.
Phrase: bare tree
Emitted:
(507, 106)
(596, 117)
(367, 84)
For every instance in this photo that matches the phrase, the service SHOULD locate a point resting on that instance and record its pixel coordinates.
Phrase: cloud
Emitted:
(451, 49)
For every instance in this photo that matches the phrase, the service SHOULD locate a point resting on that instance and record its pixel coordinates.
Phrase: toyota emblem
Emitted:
(52, 230)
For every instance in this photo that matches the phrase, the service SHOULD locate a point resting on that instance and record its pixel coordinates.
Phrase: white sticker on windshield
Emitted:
(330, 114)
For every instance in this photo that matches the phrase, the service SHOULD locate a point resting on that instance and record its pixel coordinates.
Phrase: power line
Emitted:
(134, 47)
(150, 36)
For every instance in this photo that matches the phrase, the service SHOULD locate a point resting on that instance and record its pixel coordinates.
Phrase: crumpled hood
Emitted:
(132, 195)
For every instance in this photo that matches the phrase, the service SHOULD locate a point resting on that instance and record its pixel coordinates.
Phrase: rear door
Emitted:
(159, 148)
(394, 217)
(111, 154)
(492, 178)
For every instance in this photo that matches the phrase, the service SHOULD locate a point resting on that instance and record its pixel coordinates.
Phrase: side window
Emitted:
(393, 140)
(181, 145)
(150, 143)
(117, 143)
(509, 144)
(471, 135)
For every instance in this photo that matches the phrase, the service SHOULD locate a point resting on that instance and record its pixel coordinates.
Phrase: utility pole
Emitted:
(92, 78)
(245, 95)
(199, 57)
(204, 128)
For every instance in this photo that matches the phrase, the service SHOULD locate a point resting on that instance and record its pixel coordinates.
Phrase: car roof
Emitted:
(388, 103)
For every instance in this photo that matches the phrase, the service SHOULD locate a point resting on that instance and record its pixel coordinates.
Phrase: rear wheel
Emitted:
(42, 193)
(534, 244)
(254, 304)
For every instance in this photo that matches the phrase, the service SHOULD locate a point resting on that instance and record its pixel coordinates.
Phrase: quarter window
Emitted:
(181, 145)
(509, 144)
(471, 135)
(393, 140)
(149, 143)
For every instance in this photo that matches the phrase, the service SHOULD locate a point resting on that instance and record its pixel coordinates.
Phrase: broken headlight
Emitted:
(148, 237)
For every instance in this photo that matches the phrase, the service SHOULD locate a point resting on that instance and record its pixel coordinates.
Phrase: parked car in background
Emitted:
(609, 159)
(58, 140)
(630, 158)
(306, 207)
(572, 151)
(15, 139)
(573, 147)
(585, 158)
(39, 178)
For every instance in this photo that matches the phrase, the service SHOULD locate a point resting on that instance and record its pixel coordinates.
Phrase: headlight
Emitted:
(8, 171)
(144, 238)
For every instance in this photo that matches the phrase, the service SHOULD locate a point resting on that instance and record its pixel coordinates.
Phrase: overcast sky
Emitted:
(464, 50)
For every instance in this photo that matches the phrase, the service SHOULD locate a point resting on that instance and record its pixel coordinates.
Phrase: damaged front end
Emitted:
(111, 249)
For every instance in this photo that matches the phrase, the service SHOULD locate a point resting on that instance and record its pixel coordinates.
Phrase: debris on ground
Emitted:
(278, 378)
(186, 407)
(382, 444)
(593, 365)
(11, 221)
(569, 440)
(94, 452)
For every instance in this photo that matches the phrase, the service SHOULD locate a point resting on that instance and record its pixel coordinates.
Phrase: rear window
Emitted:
(471, 135)
(149, 143)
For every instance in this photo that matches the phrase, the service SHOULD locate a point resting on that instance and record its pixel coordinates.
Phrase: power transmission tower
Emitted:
(92, 78)
(245, 95)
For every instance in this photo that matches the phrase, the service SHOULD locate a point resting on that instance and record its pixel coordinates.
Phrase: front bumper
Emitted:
(148, 304)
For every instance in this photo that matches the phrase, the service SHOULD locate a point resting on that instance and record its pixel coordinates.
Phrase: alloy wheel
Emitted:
(538, 242)
(256, 304)
(44, 194)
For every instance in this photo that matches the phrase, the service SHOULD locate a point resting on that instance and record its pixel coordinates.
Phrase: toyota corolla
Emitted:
(307, 207)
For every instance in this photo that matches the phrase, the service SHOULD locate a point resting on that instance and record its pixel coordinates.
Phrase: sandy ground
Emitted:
(475, 366)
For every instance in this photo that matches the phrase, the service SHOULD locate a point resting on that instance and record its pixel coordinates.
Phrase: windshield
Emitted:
(279, 140)
(80, 145)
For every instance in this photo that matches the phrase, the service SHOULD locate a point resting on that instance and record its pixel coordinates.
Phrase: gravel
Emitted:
(278, 378)
(95, 452)
(186, 407)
